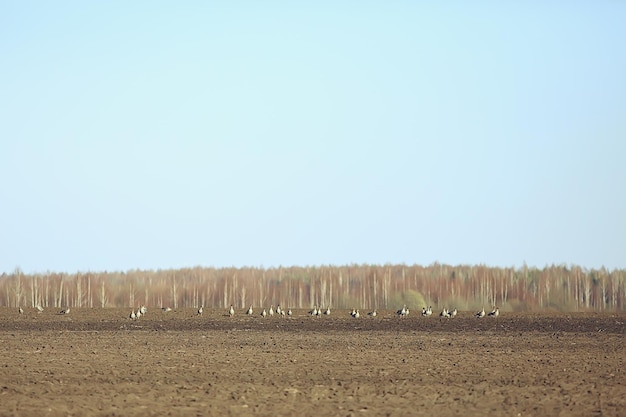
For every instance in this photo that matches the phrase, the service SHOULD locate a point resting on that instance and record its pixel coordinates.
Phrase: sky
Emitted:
(158, 135)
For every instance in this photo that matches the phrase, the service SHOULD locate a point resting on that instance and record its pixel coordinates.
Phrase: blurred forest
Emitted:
(556, 287)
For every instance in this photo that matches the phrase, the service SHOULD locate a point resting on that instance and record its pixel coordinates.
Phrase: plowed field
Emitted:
(99, 362)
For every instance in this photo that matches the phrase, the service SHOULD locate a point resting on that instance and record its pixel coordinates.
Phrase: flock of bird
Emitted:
(317, 312)
(39, 309)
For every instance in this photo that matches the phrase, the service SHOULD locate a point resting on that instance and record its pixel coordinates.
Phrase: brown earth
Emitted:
(99, 362)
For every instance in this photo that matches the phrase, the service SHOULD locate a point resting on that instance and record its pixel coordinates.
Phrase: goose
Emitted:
(231, 311)
(138, 313)
(271, 312)
(319, 312)
(495, 312)
(353, 312)
(444, 313)
(166, 309)
(264, 313)
(143, 310)
(406, 312)
(429, 311)
(453, 313)
(39, 308)
(481, 313)
(21, 310)
(282, 312)
(200, 310)
(357, 314)
(372, 313)
(249, 312)
(314, 311)
(66, 311)
(402, 311)
(327, 312)
(279, 310)
(289, 313)
(132, 316)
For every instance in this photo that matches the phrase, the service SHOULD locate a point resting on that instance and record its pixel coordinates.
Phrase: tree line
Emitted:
(466, 287)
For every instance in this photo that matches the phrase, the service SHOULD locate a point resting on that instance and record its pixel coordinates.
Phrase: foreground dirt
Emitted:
(99, 362)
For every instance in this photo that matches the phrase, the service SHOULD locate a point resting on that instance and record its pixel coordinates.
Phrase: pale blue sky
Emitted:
(170, 134)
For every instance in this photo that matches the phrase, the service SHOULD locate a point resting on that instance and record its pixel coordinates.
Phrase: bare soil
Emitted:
(99, 362)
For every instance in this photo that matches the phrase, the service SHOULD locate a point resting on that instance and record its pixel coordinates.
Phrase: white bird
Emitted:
(327, 312)
(132, 316)
(353, 312)
(314, 311)
(481, 313)
(143, 310)
(402, 311)
(264, 313)
(357, 314)
(453, 313)
(138, 313)
(231, 311)
(21, 310)
(39, 308)
(166, 309)
(289, 313)
(66, 311)
(372, 313)
(444, 313)
(279, 310)
(271, 312)
(200, 310)
(249, 312)
(495, 312)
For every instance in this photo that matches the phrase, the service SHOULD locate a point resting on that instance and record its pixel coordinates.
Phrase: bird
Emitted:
(271, 312)
(249, 312)
(132, 316)
(289, 313)
(138, 313)
(353, 312)
(314, 311)
(200, 310)
(279, 310)
(231, 311)
(39, 308)
(402, 311)
(481, 313)
(66, 311)
(444, 313)
(327, 312)
(372, 313)
(453, 313)
(495, 312)
(143, 310)
(319, 312)
(264, 313)
(357, 314)
(21, 310)
(166, 309)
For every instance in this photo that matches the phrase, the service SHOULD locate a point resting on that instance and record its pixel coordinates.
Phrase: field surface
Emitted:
(99, 362)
